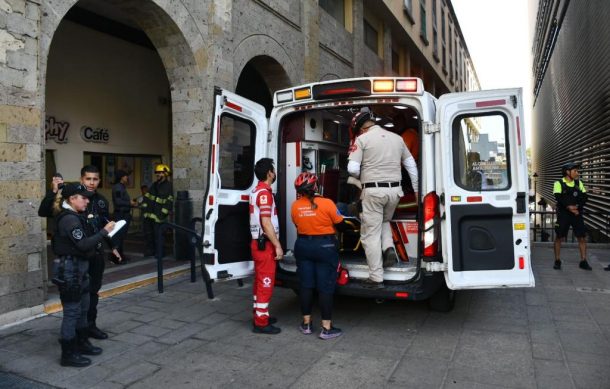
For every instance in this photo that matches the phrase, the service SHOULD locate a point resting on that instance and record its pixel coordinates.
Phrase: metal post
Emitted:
(535, 176)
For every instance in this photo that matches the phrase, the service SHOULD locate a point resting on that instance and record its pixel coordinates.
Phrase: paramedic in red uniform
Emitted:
(265, 245)
(316, 252)
(376, 158)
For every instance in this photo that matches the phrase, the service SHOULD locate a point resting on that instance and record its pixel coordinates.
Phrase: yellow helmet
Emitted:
(162, 168)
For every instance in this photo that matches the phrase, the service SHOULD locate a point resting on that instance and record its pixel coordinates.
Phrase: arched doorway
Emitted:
(124, 80)
(260, 78)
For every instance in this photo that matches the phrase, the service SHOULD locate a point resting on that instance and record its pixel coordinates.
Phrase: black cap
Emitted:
(569, 166)
(75, 189)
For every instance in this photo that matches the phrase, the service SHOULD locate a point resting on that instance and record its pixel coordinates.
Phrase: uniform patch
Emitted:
(101, 203)
(263, 199)
(267, 282)
(77, 234)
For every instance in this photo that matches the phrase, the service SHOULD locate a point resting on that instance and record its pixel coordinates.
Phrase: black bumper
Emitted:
(421, 288)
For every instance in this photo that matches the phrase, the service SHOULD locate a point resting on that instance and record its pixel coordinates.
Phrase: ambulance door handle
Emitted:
(520, 202)
(207, 215)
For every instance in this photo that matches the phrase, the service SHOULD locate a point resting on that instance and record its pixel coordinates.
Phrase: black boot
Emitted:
(70, 355)
(390, 258)
(84, 346)
(96, 333)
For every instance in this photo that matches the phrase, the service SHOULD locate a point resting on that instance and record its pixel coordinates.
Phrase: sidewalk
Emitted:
(556, 335)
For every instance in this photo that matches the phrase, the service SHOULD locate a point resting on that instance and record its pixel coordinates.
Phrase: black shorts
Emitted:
(565, 220)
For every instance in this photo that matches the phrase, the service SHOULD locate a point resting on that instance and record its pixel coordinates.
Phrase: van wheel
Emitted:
(443, 300)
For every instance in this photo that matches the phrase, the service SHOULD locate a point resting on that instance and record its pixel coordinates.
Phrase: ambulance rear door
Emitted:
(238, 140)
(483, 186)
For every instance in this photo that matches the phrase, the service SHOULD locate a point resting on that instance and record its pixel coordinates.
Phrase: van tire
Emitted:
(442, 300)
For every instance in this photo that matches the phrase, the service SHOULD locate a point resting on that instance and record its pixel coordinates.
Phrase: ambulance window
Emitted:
(236, 152)
(480, 152)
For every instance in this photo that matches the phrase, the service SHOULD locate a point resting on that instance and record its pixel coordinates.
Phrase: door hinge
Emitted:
(431, 128)
(434, 266)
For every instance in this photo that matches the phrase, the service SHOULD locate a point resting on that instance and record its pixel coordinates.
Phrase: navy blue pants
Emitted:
(317, 264)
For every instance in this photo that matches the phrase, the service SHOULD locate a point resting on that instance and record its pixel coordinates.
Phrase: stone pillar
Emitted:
(21, 161)
(310, 16)
(358, 36)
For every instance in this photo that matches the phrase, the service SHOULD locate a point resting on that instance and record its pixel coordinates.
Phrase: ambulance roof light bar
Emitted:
(356, 87)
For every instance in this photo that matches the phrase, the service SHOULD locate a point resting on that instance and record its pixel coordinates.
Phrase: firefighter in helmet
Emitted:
(156, 207)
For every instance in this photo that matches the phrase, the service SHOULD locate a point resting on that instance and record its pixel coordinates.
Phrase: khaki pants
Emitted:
(378, 205)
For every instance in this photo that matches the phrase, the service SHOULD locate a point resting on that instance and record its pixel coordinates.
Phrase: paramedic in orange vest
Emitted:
(265, 245)
(316, 252)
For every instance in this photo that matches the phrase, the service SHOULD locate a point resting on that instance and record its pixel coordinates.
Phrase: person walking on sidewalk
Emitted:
(315, 250)
(376, 158)
(265, 245)
(75, 247)
(570, 196)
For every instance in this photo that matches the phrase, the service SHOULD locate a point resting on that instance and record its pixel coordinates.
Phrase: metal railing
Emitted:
(542, 226)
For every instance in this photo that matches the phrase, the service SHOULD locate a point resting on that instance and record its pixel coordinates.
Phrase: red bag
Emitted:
(342, 276)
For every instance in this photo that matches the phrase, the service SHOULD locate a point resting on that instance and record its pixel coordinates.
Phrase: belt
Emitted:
(317, 236)
(381, 184)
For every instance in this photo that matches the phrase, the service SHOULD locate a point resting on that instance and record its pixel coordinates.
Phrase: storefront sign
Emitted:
(56, 130)
(95, 135)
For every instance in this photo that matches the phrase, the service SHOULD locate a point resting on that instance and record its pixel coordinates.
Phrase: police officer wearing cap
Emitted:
(157, 205)
(376, 158)
(570, 196)
(75, 248)
(96, 215)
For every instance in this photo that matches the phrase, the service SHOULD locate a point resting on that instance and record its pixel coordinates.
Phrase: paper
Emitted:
(117, 226)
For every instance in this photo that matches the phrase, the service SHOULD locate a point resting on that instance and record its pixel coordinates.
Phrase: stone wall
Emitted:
(202, 44)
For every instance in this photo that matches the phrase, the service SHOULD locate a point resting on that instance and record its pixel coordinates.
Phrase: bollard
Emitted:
(183, 248)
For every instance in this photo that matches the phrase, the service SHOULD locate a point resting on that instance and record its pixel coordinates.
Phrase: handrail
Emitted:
(543, 221)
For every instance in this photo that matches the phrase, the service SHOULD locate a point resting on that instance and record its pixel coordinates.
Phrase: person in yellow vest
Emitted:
(571, 196)
(156, 208)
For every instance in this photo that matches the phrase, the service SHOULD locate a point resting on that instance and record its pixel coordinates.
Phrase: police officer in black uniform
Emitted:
(570, 196)
(96, 216)
(75, 247)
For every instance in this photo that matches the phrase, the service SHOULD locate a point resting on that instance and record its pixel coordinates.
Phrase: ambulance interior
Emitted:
(317, 141)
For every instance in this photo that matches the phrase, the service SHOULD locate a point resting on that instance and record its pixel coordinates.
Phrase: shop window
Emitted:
(236, 153)
(371, 37)
(480, 152)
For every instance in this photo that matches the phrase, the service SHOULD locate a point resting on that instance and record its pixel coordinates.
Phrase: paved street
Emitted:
(554, 336)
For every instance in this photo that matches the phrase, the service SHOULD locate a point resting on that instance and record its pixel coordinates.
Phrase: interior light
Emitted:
(406, 85)
(304, 93)
(389, 125)
(336, 121)
(284, 96)
(383, 85)
(400, 107)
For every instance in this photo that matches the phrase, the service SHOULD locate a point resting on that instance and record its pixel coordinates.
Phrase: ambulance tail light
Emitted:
(284, 96)
(303, 93)
(431, 225)
(341, 89)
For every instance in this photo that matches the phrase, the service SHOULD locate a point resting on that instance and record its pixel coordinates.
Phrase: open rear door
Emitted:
(238, 140)
(485, 226)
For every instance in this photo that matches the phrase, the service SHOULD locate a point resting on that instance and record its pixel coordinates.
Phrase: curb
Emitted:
(119, 287)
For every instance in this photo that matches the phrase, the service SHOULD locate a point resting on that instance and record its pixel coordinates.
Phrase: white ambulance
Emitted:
(468, 228)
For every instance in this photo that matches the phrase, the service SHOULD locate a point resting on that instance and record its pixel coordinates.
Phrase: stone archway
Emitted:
(265, 56)
(176, 36)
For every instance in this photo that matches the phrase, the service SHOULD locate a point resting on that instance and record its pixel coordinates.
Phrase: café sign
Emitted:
(58, 131)
(95, 135)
